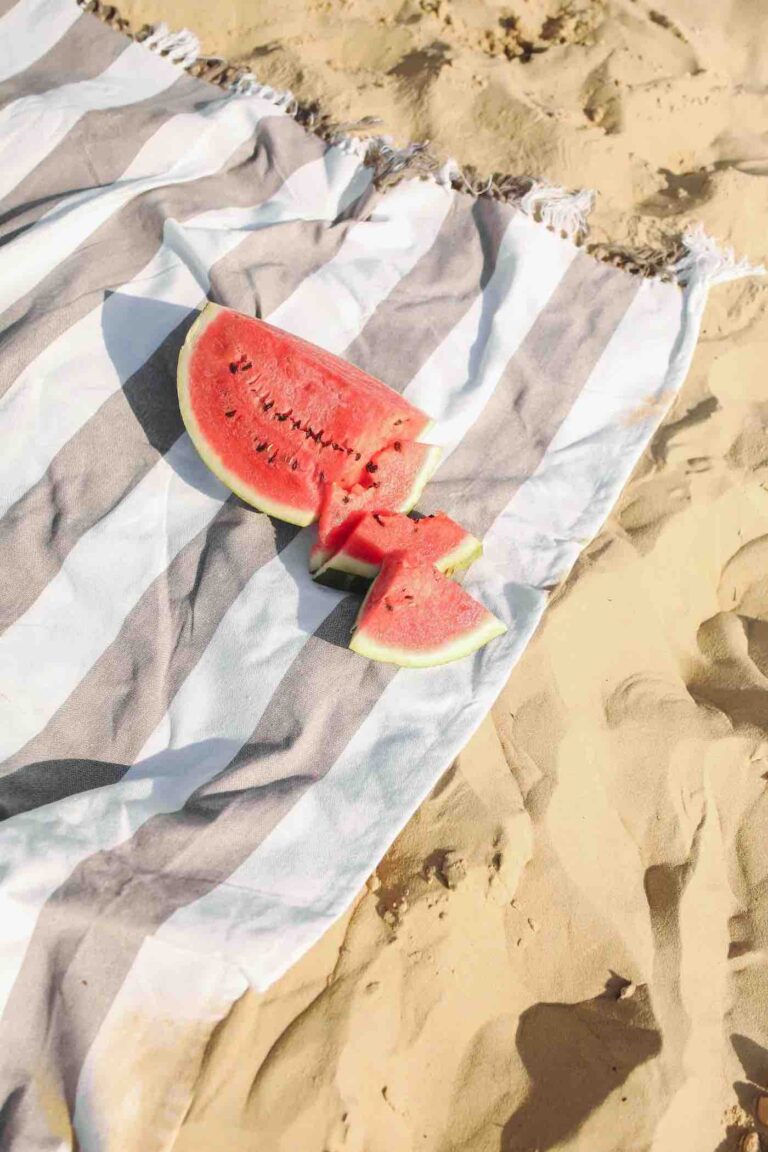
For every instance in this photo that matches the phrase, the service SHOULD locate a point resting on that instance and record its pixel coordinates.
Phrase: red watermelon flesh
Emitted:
(434, 540)
(416, 616)
(393, 481)
(278, 419)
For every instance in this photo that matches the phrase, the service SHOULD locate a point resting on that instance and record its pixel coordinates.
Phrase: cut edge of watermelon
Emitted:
(456, 649)
(424, 475)
(320, 559)
(246, 492)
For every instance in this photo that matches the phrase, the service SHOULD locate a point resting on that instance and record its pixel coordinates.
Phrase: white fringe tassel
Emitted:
(706, 263)
(249, 85)
(182, 48)
(562, 211)
(449, 172)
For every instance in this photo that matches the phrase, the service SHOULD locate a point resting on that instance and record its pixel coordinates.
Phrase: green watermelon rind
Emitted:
(235, 483)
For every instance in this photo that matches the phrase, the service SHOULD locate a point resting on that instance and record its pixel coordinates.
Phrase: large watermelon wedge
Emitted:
(434, 540)
(277, 419)
(416, 616)
(393, 482)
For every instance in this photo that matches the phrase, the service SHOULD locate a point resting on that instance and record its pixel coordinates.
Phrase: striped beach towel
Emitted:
(197, 775)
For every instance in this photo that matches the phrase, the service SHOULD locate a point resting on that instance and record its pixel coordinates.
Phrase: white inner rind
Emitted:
(455, 649)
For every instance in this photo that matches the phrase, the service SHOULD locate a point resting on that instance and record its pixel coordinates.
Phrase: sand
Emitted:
(566, 948)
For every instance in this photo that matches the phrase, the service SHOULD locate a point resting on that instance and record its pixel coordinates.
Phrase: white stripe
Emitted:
(32, 127)
(280, 901)
(538, 537)
(403, 225)
(31, 29)
(70, 380)
(186, 147)
(189, 998)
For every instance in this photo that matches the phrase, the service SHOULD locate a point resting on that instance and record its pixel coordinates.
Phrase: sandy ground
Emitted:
(567, 946)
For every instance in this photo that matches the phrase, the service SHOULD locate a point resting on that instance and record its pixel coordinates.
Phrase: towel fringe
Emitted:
(706, 262)
(562, 211)
(248, 85)
(694, 258)
(182, 48)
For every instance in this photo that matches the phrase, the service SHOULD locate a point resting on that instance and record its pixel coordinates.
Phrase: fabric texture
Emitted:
(197, 775)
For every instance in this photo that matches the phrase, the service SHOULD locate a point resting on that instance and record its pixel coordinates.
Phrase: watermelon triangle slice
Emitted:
(394, 480)
(278, 420)
(434, 540)
(416, 616)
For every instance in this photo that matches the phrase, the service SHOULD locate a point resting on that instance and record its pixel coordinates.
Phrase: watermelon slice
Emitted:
(277, 419)
(416, 616)
(394, 480)
(434, 540)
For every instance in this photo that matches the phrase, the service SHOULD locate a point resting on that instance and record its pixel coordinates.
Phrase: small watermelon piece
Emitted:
(416, 616)
(278, 419)
(434, 540)
(393, 482)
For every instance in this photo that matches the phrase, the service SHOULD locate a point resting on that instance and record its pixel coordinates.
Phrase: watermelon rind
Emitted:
(456, 649)
(469, 550)
(211, 458)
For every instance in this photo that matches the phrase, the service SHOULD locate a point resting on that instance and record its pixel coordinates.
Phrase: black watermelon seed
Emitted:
(371, 467)
(230, 413)
(233, 368)
(345, 499)
(294, 466)
(358, 456)
(269, 404)
(397, 422)
(261, 447)
(378, 519)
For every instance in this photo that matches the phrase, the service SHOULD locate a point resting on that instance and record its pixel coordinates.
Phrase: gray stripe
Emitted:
(93, 154)
(106, 721)
(119, 249)
(436, 294)
(533, 397)
(302, 732)
(85, 50)
(116, 448)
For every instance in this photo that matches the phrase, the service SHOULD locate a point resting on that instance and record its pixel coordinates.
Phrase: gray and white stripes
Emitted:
(192, 760)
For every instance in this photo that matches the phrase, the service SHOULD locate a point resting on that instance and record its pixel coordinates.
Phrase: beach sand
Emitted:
(566, 947)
